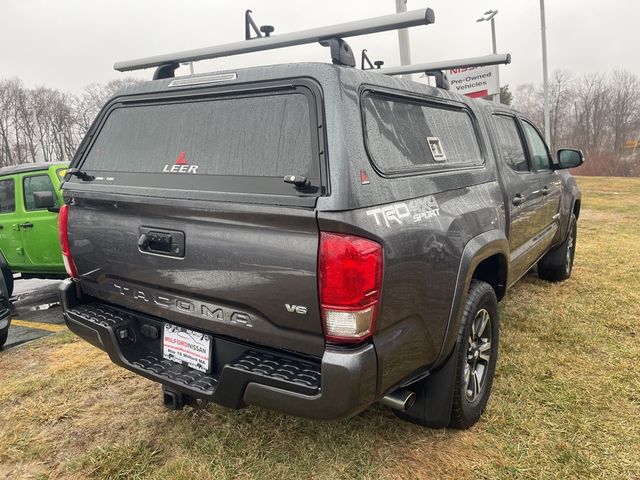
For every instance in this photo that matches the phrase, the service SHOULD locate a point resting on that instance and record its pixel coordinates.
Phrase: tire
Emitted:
(557, 264)
(8, 279)
(441, 398)
(5, 307)
(477, 354)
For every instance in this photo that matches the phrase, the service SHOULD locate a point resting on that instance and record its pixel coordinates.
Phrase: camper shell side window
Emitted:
(407, 134)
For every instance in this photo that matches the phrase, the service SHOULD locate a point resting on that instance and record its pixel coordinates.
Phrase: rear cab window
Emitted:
(7, 195)
(232, 142)
(406, 135)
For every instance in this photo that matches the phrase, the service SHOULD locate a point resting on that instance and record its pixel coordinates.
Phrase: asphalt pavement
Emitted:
(35, 311)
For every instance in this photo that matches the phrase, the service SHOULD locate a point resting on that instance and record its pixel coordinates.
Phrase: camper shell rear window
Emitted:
(236, 142)
(406, 135)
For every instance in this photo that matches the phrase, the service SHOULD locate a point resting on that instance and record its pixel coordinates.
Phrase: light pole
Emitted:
(403, 39)
(489, 16)
(545, 78)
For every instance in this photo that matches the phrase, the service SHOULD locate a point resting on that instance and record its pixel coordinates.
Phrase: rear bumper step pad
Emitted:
(343, 384)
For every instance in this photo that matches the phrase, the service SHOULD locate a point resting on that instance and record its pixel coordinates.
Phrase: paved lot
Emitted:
(35, 311)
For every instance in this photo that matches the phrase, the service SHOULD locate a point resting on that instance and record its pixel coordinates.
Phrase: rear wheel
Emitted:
(557, 264)
(456, 394)
(3, 338)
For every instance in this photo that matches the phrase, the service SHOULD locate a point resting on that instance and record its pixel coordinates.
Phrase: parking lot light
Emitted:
(489, 15)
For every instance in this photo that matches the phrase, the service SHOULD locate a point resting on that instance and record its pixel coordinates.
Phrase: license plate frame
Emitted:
(187, 347)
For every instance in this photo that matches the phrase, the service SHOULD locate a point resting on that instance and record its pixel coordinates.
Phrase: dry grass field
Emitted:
(565, 404)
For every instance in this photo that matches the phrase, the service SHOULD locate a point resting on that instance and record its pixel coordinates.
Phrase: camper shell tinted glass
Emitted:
(406, 134)
(239, 141)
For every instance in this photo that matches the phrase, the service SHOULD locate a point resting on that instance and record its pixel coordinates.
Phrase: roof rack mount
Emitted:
(413, 18)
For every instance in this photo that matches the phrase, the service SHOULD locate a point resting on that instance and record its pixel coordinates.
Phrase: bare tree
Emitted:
(560, 95)
(625, 107)
(529, 101)
(94, 97)
(44, 124)
(6, 123)
(592, 108)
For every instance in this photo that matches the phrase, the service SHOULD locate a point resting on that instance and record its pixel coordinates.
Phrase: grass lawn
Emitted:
(565, 403)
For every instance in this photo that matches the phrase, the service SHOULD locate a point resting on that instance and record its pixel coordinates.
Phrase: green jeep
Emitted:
(29, 200)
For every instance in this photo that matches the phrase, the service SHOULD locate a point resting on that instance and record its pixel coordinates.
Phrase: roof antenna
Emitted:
(365, 58)
(249, 25)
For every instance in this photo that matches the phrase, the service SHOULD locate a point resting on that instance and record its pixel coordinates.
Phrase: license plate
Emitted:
(189, 348)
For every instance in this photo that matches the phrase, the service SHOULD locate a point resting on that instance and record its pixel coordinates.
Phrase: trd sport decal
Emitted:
(181, 166)
(413, 211)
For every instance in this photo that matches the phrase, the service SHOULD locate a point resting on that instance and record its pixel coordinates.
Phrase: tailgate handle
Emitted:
(159, 241)
(169, 243)
(26, 225)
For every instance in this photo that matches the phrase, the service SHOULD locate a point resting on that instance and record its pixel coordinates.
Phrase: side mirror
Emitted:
(569, 158)
(44, 199)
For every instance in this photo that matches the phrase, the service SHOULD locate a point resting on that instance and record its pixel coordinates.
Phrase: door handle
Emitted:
(518, 200)
(26, 225)
(545, 190)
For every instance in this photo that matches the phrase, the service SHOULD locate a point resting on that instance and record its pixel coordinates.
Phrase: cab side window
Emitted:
(33, 184)
(510, 143)
(7, 196)
(539, 154)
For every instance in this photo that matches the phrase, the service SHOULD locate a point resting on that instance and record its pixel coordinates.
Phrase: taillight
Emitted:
(63, 220)
(349, 278)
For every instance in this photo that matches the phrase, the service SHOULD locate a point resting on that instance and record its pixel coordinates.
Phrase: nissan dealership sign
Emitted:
(474, 81)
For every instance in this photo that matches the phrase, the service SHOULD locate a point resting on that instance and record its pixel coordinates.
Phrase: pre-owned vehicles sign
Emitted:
(474, 81)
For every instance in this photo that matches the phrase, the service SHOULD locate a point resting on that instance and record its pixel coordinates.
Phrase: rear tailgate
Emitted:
(188, 218)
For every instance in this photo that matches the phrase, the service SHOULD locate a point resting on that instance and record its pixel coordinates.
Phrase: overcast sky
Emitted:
(68, 44)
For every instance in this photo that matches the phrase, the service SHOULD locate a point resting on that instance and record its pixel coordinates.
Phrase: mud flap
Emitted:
(434, 396)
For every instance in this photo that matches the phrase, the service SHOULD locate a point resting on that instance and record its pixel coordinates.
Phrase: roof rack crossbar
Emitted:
(413, 18)
(496, 59)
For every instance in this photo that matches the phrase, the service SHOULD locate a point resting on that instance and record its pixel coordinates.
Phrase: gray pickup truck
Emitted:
(310, 238)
